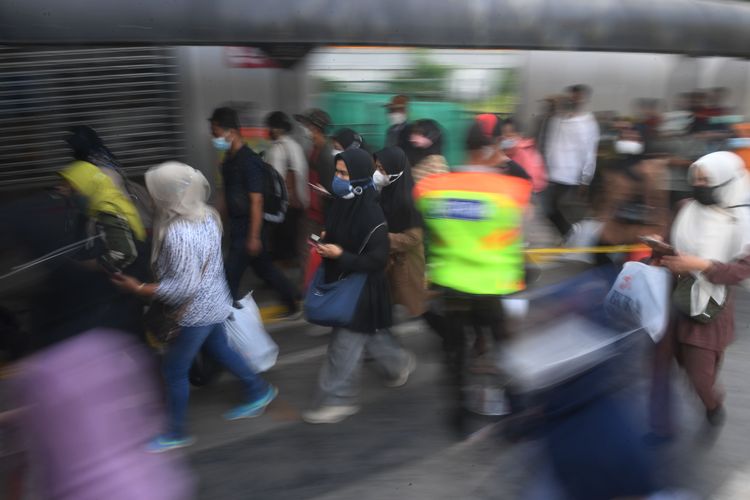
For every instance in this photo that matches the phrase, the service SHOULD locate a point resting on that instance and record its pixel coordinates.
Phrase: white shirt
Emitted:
(571, 146)
(285, 153)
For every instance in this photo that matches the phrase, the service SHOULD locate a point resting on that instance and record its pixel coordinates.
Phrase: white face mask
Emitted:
(397, 118)
(382, 180)
(508, 143)
(628, 147)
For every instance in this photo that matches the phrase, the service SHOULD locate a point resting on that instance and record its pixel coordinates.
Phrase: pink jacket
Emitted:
(526, 155)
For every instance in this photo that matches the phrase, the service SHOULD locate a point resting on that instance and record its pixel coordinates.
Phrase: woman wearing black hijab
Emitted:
(354, 217)
(406, 265)
(345, 139)
(426, 152)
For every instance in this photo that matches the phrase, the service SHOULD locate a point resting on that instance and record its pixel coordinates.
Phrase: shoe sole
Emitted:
(190, 442)
(336, 420)
(260, 411)
(411, 368)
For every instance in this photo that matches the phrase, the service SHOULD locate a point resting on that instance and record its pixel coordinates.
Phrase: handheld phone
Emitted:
(314, 239)
(658, 245)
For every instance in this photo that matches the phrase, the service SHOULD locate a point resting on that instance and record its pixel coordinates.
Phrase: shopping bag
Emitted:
(640, 298)
(248, 337)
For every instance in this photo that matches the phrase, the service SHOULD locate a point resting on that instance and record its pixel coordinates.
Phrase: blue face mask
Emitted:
(738, 143)
(221, 144)
(342, 188)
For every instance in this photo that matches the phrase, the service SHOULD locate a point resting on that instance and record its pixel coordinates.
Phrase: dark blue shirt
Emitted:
(243, 174)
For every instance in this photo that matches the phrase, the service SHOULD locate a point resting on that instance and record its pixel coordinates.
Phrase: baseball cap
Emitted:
(225, 118)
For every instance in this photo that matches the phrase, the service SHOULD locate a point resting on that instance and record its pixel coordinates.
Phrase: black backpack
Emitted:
(275, 196)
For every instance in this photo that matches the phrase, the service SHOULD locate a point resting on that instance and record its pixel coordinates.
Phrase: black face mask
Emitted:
(704, 195)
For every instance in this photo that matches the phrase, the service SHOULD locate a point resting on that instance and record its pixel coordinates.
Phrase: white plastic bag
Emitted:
(640, 297)
(248, 337)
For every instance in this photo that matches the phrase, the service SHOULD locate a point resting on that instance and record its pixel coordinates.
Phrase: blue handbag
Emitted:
(334, 304)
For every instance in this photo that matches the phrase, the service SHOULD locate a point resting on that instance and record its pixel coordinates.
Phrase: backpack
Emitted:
(275, 196)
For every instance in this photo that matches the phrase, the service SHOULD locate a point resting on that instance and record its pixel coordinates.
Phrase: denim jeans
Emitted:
(180, 356)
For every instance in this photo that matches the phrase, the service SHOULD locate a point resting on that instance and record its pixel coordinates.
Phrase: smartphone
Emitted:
(658, 245)
(314, 239)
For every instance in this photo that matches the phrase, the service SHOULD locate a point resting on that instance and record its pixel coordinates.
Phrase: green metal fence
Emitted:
(364, 112)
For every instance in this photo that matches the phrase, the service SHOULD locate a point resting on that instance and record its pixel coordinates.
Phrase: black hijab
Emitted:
(349, 139)
(430, 129)
(396, 198)
(350, 221)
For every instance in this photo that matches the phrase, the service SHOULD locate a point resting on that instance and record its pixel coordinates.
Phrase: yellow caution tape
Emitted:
(602, 249)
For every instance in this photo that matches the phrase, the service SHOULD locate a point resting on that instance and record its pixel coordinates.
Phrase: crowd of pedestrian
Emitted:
(397, 230)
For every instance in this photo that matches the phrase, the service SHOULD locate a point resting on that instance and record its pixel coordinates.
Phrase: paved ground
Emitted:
(400, 447)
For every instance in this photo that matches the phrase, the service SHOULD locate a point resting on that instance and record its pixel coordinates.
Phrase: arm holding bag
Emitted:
(334, 304)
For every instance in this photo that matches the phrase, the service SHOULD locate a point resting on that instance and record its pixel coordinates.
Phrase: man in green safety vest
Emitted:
(473, 219)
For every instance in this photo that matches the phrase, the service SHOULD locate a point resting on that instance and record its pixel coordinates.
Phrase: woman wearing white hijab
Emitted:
(711, 237)
(188, 264)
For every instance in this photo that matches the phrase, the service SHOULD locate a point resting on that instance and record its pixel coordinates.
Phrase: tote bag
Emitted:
(334, 304)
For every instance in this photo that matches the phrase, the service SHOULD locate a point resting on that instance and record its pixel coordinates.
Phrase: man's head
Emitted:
(482, 141)
(579, 95)
(398, 109)
(225, 129)
(278, 124)
(317, 122)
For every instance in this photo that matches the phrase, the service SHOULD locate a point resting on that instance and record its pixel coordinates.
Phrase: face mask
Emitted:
(341, 188)
(508, 143)
(307, 134)
(420, 141)
(628, 147)
(704, 195)
(738, 143)
(397, 118)
(382, 180)
(221, 144)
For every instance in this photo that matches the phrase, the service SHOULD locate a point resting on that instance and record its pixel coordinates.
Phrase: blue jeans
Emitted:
(179, 358)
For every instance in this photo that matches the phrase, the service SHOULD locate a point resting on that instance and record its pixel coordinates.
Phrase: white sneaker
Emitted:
(403, 377)
(329, 414)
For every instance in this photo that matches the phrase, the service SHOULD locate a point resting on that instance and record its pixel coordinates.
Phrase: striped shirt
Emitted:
(190, 270)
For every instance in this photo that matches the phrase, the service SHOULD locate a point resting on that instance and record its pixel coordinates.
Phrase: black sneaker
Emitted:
(716, 417)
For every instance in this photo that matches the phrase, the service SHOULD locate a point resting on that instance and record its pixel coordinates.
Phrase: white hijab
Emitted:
(717, 232)
(179, 192)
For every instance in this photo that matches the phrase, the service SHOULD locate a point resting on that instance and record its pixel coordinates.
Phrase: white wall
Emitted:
(618, 79)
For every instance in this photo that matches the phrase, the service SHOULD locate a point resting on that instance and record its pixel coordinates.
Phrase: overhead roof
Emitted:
(697, 27)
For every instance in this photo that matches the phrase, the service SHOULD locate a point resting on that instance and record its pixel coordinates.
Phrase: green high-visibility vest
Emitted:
(474, 225)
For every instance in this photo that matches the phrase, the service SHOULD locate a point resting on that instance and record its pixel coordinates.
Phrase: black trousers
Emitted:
(553, 198)
(239, 260)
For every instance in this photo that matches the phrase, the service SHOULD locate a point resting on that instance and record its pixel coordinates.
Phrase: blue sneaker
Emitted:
(165, 442)
(254, 409)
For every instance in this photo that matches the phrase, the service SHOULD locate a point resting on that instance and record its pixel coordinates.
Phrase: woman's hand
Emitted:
(330, 251)
(127, 283)
(681, 264)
